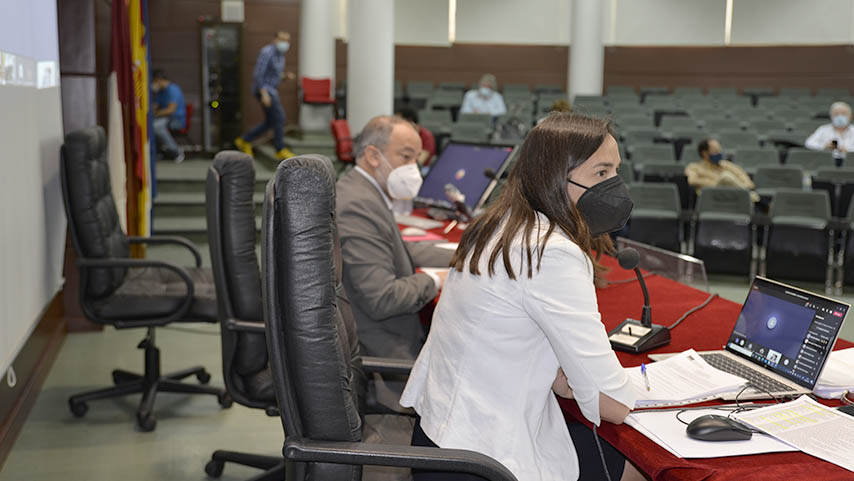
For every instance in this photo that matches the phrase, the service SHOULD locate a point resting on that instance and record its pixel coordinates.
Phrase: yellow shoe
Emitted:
(285, 153)
(243, 145)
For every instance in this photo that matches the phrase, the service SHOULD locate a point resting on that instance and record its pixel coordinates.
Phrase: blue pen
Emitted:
(645, 376)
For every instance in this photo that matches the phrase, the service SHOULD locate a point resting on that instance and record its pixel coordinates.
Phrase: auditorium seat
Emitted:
(794, 92)
(670, 173)
(769, 179)
(722, 232)
(677, 122)
(809, 160)
(482, 120)
(642, 154)
(839, 185)
(713, 126)
(798, 240)
(751, 159)
(627, 171)
(637, 136)
(736, 140)
(655, 218)
(634, 121)
(765, 126)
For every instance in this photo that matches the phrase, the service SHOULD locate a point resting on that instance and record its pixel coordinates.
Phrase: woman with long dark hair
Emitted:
(518, 317)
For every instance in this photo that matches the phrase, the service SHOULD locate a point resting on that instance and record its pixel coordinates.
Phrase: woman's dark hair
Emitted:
(537, 183)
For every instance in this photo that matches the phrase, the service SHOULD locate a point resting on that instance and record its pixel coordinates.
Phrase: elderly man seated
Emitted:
(485, 99)
(838, 134)
(379, 272)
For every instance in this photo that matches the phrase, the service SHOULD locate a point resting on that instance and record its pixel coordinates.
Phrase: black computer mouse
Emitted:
(712, 427)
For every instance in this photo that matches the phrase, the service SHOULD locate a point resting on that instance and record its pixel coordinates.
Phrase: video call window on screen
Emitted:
(21, 71)
(786, 331)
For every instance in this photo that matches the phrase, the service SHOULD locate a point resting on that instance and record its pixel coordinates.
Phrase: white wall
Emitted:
(636, 22)
(513, 21)
(670, 22)
(421, 22)
(792, 22)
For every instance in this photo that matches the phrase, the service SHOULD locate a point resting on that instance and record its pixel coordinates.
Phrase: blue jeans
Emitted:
(165, 142)
(274, 118)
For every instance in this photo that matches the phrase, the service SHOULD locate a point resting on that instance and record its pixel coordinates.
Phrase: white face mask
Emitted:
(283, 46)
(485, 91)
(840, 121)
(403, 182)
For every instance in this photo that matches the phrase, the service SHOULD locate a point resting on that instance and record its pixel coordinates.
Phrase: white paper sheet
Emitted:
(838, 375)
(809, 426)
(682, 379)
(662, 427)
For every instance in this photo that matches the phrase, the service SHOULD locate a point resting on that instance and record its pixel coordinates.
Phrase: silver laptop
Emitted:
(780, 342)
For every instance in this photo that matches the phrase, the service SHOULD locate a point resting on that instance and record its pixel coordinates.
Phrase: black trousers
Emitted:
(589, 462)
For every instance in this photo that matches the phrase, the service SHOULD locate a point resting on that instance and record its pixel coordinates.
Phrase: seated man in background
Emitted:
(428, 141)
(484, 99)
(379, 272)
(838, 134)
(715, 171)
(170, 113)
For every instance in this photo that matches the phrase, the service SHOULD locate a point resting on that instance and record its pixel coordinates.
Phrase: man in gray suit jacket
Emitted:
(379, 267)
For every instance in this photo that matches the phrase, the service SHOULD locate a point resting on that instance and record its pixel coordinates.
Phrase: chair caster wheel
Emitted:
(224, 399)
(214, 468)
(146, 422)
(203, 377)
(78, 409)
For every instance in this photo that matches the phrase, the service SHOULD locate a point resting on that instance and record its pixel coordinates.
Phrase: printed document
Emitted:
(682, 379)
(809, 426)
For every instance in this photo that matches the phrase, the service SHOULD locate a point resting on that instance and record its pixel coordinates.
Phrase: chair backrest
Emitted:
(343, 140)
(809, 159)
(311, 335)
(754, 157)
(93, 220)
(655, 196)
(473, 132)
(677, 122)
(635, 121)
(316, 88)
(735, 140)
(482, 120)
(779, 177)
(652, 153)
(724, 200)
(237, 276)
(800, 203)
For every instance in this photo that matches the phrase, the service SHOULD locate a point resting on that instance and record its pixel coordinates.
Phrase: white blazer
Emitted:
(483, 379)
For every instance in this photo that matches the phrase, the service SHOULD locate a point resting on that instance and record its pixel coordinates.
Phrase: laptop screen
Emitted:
(463, 166)
(787, 330)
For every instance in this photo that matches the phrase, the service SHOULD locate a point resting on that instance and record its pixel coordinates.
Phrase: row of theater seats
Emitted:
(800, 237)
(289, 342)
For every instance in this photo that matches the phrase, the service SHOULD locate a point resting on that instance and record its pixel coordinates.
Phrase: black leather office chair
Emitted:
(231, 237)
(318, 374)
(125, 292)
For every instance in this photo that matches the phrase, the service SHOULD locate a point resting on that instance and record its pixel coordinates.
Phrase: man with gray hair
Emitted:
(838, 134)
(485, 99)
(379, 268)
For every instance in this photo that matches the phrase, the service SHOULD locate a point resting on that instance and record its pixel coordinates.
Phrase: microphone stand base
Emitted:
(632, 336)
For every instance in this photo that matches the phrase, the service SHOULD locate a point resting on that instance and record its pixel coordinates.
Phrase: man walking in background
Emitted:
(269, 71)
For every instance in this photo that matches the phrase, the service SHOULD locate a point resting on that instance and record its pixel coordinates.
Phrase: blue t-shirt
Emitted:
(172, 93)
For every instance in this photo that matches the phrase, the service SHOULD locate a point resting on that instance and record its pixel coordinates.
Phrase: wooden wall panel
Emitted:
(772, 66)
(175, 48)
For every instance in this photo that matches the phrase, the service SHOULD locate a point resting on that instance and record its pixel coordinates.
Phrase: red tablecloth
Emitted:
(706, 329)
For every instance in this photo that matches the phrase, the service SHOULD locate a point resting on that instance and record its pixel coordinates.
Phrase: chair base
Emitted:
(274, 467)
(149, 384)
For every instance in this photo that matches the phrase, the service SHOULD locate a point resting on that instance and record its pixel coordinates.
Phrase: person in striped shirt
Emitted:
(269, 71)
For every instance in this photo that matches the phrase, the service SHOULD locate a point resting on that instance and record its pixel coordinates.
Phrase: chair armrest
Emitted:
(162, 239)
(453, 460)
(838, 224)
(244, 326)
(382, 365)
(89, 263)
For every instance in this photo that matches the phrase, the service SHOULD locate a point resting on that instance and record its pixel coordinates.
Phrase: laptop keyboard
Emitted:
(754, 377)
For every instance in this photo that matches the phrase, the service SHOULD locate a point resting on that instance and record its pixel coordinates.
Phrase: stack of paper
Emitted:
(662, 427)
(818, 430)
(838, 375)
(682, 379)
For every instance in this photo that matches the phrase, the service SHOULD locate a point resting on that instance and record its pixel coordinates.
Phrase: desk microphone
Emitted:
(490, 174)
(459, 200)
(637, 336)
